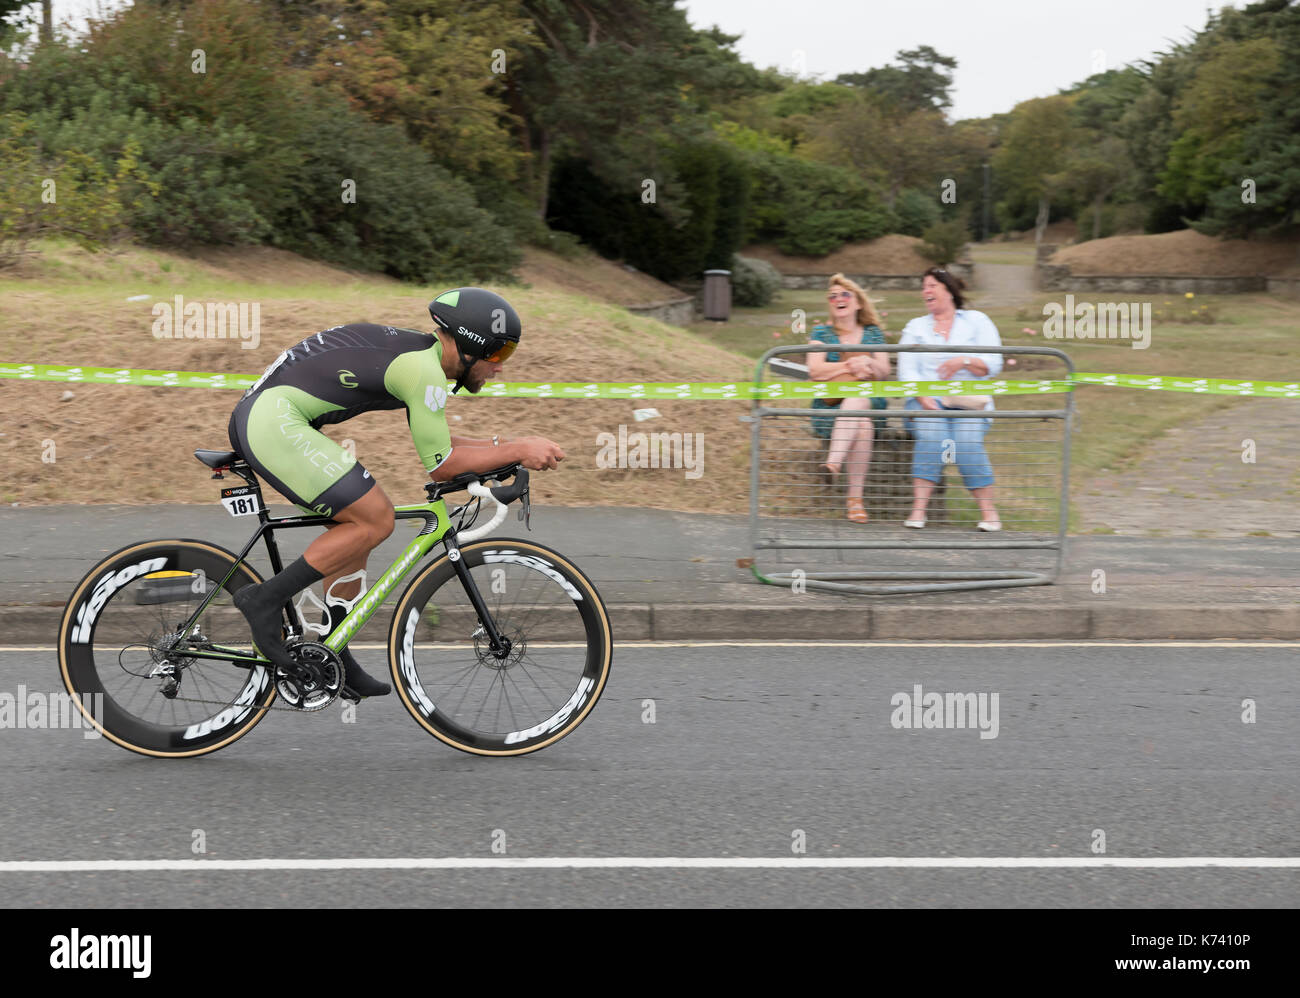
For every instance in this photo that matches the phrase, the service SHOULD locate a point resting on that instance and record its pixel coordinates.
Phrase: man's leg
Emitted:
(356, 677)
(362, 527)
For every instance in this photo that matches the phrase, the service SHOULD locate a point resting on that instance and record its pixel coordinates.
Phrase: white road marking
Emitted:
(1217, 643)
(645, 862)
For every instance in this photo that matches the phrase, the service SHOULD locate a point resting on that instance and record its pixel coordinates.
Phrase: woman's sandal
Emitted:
(857, 511)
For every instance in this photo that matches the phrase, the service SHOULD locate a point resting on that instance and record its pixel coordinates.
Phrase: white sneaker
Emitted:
(989, 525)
(915, 524)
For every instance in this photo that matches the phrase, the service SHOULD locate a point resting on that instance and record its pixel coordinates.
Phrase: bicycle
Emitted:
(151, 637)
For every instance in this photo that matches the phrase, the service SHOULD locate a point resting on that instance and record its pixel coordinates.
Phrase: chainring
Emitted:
(325, 681)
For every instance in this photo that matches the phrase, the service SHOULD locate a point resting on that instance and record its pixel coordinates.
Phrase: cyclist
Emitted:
(335, 375)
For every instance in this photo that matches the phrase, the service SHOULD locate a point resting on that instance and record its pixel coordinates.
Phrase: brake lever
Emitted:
(525, 510)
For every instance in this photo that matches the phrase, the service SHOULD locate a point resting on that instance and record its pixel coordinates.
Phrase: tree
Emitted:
(1094, 169)
(434, 67)
(1033, 153)
(1266, 165)
(1213, 115)
(918, 83)
(618, 82)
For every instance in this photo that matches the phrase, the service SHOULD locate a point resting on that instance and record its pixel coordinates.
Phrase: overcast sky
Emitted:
(1006, 50)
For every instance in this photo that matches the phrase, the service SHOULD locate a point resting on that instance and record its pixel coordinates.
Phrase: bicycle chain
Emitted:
(292, 710)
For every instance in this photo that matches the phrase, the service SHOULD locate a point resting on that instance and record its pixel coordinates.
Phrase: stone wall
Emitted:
(1286, 286)
(874, 282)
(1057, 277)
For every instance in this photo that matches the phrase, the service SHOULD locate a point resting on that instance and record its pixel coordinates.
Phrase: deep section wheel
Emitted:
(146, 680)
(533, 689)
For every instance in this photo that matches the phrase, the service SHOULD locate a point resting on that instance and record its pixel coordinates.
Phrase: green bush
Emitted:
(411, 219)
(246, 151)
(809, 208)
(195, 173)
(45, 196)
(944, 241)
(753, 282)
(914, 212)
(820, 232)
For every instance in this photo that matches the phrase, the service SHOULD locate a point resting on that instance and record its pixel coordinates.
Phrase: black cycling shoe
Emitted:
(356, 679)
(266, 622)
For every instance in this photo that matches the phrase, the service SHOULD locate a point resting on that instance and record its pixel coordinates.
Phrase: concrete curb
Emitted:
(38, 625)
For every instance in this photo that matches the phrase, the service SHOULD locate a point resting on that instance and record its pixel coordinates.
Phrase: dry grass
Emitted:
(886, 255)
(594, 277)
(127, 444)
(1185, 252)
(1064, 231)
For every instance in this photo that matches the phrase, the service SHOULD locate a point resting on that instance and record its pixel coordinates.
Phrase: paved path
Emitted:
(1192, 480)
(1002, 285)
(676, 576)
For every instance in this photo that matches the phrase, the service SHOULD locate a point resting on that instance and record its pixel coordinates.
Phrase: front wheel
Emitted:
(463, 694)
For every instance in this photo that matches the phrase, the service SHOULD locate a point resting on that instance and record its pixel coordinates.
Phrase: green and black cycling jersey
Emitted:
(329, 377)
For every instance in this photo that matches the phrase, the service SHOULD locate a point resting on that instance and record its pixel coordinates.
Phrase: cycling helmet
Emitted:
(482, 323)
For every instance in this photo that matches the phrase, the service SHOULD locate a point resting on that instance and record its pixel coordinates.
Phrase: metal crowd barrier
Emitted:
(799, 530)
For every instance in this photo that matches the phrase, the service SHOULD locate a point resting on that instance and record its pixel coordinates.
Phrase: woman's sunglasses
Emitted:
(839, 294)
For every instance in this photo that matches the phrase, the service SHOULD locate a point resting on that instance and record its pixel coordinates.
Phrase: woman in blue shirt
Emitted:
(853, 321)
(948, 323)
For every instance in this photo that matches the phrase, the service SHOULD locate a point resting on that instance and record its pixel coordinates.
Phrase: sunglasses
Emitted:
(839, 294)
(501, 349)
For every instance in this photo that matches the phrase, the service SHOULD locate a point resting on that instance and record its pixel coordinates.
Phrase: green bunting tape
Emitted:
(700, 389)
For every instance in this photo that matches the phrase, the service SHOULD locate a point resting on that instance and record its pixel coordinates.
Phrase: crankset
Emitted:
(318, 680)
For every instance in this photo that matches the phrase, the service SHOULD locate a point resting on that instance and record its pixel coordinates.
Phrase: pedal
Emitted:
(350, 695)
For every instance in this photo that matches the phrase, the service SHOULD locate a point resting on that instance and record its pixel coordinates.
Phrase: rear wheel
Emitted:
(459, 690)
(132, 668)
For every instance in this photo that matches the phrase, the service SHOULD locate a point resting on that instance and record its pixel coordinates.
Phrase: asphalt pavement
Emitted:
(716, 754)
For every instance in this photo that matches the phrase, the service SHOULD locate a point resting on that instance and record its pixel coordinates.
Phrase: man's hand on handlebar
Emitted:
(537, 453)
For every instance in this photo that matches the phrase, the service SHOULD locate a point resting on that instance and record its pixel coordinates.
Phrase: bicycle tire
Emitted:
(110, 646)
(428, 649)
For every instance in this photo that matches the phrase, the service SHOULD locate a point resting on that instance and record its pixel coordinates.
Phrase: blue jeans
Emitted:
(967, 436)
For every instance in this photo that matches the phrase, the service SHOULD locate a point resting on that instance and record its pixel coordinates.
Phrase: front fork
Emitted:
(499, 643)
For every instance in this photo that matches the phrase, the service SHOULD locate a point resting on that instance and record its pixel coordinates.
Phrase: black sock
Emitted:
(262, 606)
(331, 617)
(280, 589)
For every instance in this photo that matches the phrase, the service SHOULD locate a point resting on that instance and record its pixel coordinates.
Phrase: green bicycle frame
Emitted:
(437, 521)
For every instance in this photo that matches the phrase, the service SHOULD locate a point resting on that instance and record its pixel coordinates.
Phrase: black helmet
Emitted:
(482, 323)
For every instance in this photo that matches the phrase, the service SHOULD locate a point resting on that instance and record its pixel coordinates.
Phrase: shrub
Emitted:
(817, 233)
(809, 208)
(411, 219)
(753, 282)
(944, 241)
(44, 196)
(914, 212)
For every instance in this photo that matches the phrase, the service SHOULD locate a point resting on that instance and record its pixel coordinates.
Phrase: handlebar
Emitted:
(462, 482)
(500, 495)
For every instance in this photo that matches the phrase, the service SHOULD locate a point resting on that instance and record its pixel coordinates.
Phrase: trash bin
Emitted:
(717, 295)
